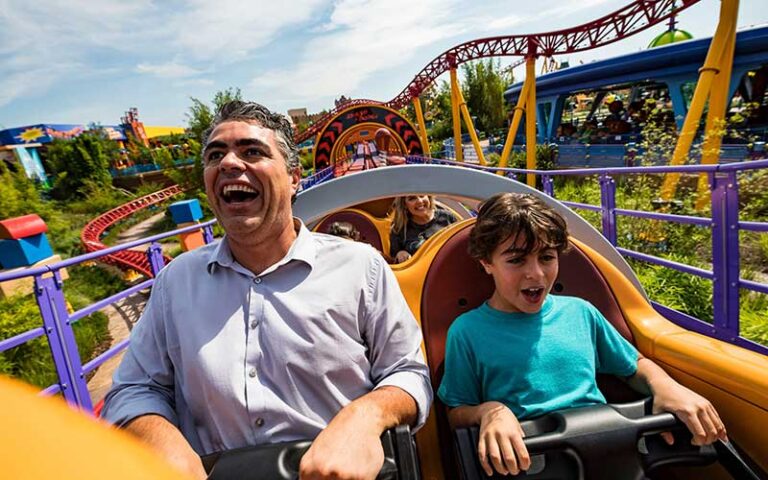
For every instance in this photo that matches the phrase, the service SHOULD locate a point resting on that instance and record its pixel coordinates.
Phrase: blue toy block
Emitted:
(186, 211)
(24, 252)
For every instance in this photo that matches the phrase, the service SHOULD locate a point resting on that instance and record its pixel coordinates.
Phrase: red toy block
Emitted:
(22, 227)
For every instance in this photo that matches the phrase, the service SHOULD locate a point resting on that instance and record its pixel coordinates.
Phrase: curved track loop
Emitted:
(627, 21)
(126, 259)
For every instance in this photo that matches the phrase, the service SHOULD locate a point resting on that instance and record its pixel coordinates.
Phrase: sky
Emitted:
(88, 61)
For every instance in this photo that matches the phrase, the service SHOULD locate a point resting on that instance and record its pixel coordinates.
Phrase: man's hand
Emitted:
(164, 438)
(343, 450)
(350, 446)
(501, 441)
(695, 411)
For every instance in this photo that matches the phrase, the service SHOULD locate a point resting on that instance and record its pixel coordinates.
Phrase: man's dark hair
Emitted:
(505, 215)
(252, 112)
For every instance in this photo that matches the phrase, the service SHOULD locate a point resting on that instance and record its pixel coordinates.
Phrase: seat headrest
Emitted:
(368, 231)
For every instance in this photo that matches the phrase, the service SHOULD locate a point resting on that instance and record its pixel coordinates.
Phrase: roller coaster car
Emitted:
(441, 281)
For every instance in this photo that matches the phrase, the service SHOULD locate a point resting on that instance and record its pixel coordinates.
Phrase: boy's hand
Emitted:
(501, 441)
(695, 411)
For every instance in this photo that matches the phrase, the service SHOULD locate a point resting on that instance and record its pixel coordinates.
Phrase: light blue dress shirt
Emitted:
(236, 359)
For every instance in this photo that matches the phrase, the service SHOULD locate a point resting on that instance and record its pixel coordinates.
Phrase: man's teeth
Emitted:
(237, 188)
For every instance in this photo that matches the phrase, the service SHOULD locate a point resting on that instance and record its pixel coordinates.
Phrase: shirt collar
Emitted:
(302, 249)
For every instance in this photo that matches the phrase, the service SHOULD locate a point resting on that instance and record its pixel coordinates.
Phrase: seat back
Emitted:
(368, 231)
(455, 283)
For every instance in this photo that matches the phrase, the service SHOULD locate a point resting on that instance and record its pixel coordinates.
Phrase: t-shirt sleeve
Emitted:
(460, 384)
(615, 355)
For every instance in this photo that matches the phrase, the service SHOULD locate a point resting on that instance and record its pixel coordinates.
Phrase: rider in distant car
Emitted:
(416, 219)
(525, 353)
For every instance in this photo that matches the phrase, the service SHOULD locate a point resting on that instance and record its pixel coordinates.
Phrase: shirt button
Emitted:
(259, 422)
(252, 372)
(254, 323)
(257, 280)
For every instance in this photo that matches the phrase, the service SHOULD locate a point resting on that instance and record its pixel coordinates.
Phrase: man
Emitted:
(264, 337)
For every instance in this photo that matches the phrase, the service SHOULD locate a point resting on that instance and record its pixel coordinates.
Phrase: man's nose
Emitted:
(231, 162)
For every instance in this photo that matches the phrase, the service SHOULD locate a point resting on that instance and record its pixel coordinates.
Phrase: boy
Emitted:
(505, 360)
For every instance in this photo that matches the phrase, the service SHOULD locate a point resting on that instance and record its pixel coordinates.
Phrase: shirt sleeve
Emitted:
(615, 355)
(460, 384)
(394, 339)
(144, 382)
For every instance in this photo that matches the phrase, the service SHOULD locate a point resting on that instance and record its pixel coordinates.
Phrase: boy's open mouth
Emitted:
(232, 194)
(533, 295)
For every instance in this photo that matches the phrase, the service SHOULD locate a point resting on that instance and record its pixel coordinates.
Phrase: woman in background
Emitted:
(416, 219)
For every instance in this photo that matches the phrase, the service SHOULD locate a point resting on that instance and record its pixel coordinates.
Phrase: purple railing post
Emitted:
(725, 254)
(608, 207)
(61, 339)
(155, 257)
(208, 234)
(548, 185)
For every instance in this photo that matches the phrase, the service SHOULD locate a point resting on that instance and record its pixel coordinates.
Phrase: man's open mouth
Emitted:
(238, 194)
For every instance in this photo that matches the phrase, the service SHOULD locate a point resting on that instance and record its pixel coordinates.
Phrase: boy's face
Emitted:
(522, 281)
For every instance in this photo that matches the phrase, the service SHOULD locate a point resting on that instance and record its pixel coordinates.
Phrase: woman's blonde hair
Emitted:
(401, 217)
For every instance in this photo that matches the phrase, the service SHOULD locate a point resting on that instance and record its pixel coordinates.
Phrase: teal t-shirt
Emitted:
(533, 363)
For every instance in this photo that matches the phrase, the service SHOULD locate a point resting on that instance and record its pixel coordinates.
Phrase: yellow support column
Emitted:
(715, 127)
(467, 119)
(530, 120)
(456, 118)
(516, 118)
(726, 25)
(422, 127)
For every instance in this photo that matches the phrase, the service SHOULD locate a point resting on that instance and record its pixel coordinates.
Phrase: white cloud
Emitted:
(231, 29)
(362, 37)
(171, 69)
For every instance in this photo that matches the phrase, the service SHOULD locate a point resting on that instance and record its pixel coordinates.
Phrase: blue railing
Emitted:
(57, 321)
(724, 224)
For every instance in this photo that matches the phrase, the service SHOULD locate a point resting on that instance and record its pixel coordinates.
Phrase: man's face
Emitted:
(522, 281)
(246, 180)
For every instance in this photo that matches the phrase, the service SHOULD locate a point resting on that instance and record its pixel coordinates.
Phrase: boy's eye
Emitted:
(515, 260)
(548, 257)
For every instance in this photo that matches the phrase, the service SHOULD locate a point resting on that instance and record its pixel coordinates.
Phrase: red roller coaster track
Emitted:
(633, 18)
(126, 259)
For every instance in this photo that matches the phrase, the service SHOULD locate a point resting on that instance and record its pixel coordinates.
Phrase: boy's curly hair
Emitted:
(522, 215)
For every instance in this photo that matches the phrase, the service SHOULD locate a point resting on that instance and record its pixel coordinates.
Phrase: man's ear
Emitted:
(295, 175)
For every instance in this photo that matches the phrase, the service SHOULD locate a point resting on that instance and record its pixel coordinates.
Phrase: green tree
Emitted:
(200, 115)
(483, 89)
(79, 160)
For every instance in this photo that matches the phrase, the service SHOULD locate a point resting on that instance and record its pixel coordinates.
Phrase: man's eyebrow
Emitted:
(242, 142)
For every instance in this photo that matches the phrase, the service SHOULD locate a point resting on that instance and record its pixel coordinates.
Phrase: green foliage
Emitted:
(483, 89)
(437, 112)
(32, 361)
(681, 291)
(307, 162)
(18, 194)
(76, 161)
(189, 178)
(200, 115)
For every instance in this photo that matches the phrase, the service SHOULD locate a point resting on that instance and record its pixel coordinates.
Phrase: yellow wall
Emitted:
(158, 131)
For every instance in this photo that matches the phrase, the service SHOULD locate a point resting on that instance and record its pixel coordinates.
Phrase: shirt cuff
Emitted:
(415, 385)
(121, 411)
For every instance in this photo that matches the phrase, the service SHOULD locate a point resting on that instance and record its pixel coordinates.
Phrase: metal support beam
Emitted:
(530, 120)
(422, 127)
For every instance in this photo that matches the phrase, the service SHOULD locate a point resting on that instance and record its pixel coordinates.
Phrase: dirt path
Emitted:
(124, 313)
